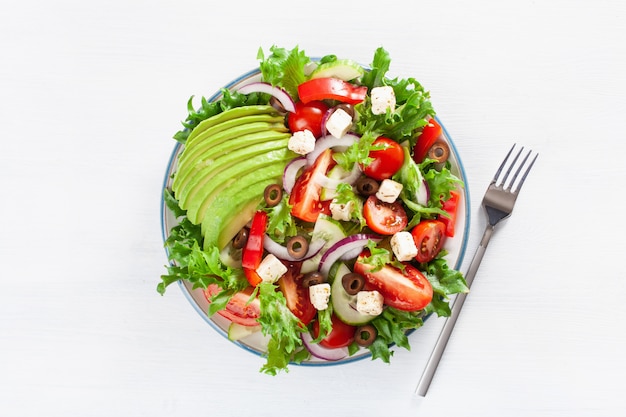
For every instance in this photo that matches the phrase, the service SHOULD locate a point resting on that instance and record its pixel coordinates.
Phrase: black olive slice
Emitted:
(312, 278)
(440, 151)
(353, 283)
(297, 247)
(240, 239)
(273, 195)
(366, 186)
(365, 335)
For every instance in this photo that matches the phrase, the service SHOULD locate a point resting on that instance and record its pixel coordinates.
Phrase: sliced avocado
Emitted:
(344, 304)
(233, 208)
(344, 69)
(272, 119)
(230, 114)
(202, 193)
(187, 175)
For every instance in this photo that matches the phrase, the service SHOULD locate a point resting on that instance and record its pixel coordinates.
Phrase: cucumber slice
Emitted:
(335, 173)
(344, 69)
(344, 305)
(331, 231)
(237, 331)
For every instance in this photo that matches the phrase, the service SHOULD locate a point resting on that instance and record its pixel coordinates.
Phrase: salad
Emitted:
(313, 206)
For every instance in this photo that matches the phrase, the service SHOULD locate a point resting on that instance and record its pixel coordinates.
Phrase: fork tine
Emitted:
(521, 181)
(519, 169)
(510, 168)
(495, 177)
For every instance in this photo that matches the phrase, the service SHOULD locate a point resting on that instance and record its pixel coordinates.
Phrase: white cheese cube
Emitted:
(302, 142)
(271, 269)
(403, 246)
(319, 295)
(369, 302)
(383, 98)
(339, 123)
(389, 191)
(341, 211)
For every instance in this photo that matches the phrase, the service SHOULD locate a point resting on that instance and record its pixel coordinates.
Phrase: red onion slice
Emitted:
(320, 351)
(423, 194)
(291, 173)
(346, 248)
(282, 253)
(330, 141)
(280, 94)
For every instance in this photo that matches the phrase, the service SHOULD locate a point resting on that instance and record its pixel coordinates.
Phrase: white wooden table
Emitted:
(90, 95)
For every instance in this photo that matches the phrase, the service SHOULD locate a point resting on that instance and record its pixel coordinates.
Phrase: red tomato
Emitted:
(341, 335)
(331, 89)
(386, 162)
(239, 309)
(384, 218)
(407, 290)
(252, 253)
(429, 236)
(451, 206)
(305, 196)
(297, 295)
(308, 116)
(426, 139)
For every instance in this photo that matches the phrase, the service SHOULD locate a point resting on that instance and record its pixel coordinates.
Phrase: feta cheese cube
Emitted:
(341, 211)
(271, 269)
(403, 246)
(302, 142)
(383, 98)
(389, 190)
(319, 295)
(369, 302)
(339, 123)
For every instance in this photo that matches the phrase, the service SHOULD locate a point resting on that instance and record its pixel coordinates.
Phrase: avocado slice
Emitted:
(260, 119)
(244, 146)
(235, 205)
(230, 166)
(230, 114)
(243, 173)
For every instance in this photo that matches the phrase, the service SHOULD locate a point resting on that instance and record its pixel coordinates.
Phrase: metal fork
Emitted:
(498, 204)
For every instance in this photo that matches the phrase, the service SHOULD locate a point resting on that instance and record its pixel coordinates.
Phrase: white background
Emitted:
(90, 95)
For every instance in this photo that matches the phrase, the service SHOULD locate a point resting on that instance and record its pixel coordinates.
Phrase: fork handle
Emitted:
(446, 331)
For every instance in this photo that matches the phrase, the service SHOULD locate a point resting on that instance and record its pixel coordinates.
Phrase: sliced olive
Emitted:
(365, 335)
(313, 278)
(366, 186)
(297, 247)
(240, 239)
(274, 102)
(440, 151)
(353, 283)
(273, 194)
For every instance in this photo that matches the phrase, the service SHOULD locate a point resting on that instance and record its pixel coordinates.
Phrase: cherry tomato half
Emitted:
(308, 116)
(296, 294)
(305, 196)
(341, 335)
(426, 139)
(240, 309)
(386, 162)
(429, 236)
(451, 207)
(384, 218)
(407, 289)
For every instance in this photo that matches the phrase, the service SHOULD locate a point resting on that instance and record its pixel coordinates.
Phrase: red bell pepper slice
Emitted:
(425, 140)
(331, 89)
(252, 253)
(451, 207)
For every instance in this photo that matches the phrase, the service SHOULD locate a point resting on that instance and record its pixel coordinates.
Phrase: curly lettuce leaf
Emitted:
(392, 326)
(280, 223)
(284, 68)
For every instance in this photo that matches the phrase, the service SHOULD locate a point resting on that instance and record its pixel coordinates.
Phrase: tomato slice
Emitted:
(451, 206)
(384, 218)
(386, 162)
(252, 253)
(305, 196)
(331, 89)
(429, 236)
(407, 290)
(341, 335)
(308, 116)
(240, 309)
(296, 294)
(426, 139)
